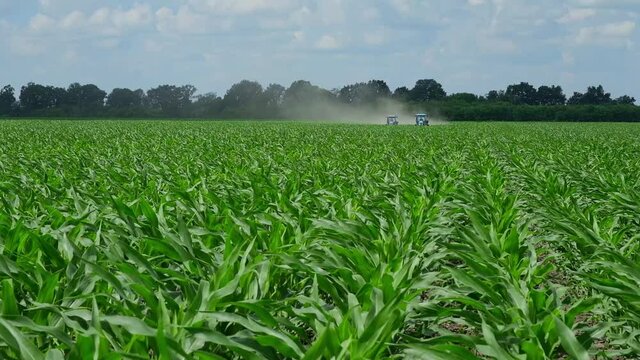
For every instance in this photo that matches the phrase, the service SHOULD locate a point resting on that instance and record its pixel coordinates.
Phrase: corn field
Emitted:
(203, 240)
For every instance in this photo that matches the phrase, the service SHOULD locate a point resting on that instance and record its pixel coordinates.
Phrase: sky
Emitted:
(467, 45)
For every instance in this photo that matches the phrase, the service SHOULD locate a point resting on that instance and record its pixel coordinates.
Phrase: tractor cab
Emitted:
(392, 120)
(422, 120)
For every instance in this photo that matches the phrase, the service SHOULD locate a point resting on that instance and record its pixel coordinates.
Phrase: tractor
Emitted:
(422, 120)
(392, 120)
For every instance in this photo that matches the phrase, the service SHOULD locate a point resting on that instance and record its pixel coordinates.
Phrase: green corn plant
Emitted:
(301, 240)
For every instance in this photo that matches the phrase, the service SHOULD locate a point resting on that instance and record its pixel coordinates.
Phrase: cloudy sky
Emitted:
(468, 45)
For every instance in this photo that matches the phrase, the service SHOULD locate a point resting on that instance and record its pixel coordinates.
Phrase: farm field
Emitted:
(249, 240)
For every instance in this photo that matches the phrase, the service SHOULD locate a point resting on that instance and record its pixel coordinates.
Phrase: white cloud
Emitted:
(100, 16)
(73, 20)
(183, 21)
(138, 15)
(374, 38)
(301, 16)
(299, 36)
(575, 15)
(612, 34)
(27, 46)
(41, 22)
(104, 21)
(500, 38)
(621, 29)
(605, 3)
(221, 7)
(332, 12)
(402, 6)
(495, 45)
(327, 42)
(499, 8)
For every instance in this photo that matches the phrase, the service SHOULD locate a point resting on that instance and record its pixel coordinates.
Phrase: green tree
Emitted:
(303, 92)
(125, 98)
(575, 99)
(84, 99)
(427, 90)
(7, 100)
(206, 106)
(36, 98)
(379, 88)
(595, 95)
(496, 96)
(171, 100)
(401, 93)
(550, 95)
(126, 102)
(523, 93)
(463, 97)
(305, 100)
(244, 99)
(273, 98)
(625, 100)
(364, 93)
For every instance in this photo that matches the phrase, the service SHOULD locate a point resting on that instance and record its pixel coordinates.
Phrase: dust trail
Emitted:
(330, 111)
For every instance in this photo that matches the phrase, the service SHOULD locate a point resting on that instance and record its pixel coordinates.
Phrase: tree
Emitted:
(595, 95)
(305, 100)
(463, 97)
(36, 98)
(575, 99)
(273, 98)
(496, 96)
(364, 93)
(244, 99)
(625, 100)
(550, 95)
(522, 93)
(126, 102)
(85, 99)
(379, 88)
(125, 98)
(7, 100)
(206, 106)
(427, 90)
(303, 92)
(401, 93)
(243, 93)
(171, 100)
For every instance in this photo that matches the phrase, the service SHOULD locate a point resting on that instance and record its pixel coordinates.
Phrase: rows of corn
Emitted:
(199, 240)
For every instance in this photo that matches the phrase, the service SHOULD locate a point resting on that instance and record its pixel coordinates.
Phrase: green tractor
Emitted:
(422, 120)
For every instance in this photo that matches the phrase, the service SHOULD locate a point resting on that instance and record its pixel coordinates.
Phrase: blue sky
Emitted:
(467, 45)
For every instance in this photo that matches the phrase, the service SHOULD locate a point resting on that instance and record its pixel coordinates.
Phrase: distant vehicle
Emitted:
(422, 120)
(392, 120)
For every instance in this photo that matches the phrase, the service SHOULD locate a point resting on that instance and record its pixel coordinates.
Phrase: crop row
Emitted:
(200, 240)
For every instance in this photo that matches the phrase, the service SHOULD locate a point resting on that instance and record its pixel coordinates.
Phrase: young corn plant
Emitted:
(216, 240)
(499, 298)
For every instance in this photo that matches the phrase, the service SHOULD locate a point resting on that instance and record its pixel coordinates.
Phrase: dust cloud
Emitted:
(330, 111)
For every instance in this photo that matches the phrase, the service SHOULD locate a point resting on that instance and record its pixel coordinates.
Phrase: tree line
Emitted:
(303, 100)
